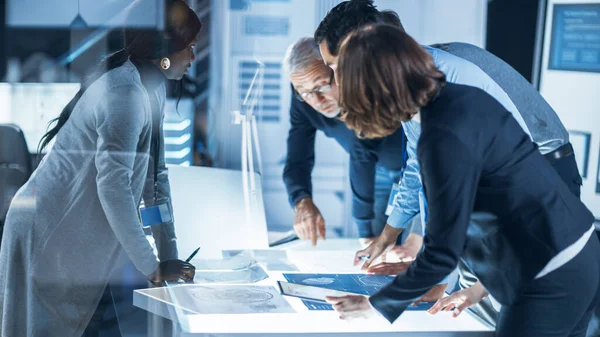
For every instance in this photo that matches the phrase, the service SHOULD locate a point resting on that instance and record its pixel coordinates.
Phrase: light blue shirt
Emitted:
(411, 198)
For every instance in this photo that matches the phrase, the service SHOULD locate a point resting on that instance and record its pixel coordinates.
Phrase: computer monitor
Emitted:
(32, 106)
(209, 211)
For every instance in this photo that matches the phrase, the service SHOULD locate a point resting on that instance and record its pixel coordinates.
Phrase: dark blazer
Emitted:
(365, 155)
(494, 201)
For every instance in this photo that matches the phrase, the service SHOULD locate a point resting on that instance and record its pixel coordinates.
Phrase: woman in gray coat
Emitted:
(75, 223)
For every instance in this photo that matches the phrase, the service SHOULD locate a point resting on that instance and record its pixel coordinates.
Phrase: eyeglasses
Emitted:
(325, 88)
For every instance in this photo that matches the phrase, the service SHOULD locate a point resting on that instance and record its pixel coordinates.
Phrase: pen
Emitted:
(193, 254)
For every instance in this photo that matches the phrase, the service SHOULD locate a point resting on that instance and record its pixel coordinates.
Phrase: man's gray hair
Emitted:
(301, 55)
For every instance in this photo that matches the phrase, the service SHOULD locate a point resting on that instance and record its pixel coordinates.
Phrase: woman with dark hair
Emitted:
(74, 226)
(493, 200)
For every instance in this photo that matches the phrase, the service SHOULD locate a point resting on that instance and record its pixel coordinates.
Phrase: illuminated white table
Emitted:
(315, 323)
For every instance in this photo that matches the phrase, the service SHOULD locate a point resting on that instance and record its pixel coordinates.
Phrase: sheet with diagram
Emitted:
(222, 299)
(230, 269)
(365, 284)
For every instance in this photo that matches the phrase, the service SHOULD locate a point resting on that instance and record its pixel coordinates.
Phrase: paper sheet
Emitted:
(202, 299)
(278, 238)
(271, 259)
(249, 275)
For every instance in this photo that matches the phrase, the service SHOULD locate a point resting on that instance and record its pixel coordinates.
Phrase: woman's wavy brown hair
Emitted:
(384, 77)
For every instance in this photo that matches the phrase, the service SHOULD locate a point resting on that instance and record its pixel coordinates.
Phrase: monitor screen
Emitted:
(575, 39)
(598, 180)
(32, 106)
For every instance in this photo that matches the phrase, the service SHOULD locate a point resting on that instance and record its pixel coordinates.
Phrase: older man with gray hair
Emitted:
(375, 165)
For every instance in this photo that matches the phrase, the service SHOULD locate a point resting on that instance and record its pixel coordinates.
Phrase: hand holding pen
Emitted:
(173, 270)
(192, 255)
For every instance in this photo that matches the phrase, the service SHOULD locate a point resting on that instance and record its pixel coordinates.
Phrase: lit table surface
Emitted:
(316, 323)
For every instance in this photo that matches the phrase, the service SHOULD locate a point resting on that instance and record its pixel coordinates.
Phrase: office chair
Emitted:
(15, 166)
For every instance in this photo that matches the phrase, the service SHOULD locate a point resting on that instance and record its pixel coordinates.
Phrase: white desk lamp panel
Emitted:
(47, 13)
(35, 13)
(148, 14)
(209, 211)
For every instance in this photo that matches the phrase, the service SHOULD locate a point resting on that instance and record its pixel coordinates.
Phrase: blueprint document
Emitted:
(222, 299)
(365, 284)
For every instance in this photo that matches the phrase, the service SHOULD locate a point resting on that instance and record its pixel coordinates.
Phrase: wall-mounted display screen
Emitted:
(581, 146)
(598, 176)
(575, 39)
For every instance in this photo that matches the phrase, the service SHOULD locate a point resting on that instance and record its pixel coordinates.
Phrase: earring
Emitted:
(165, 63)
